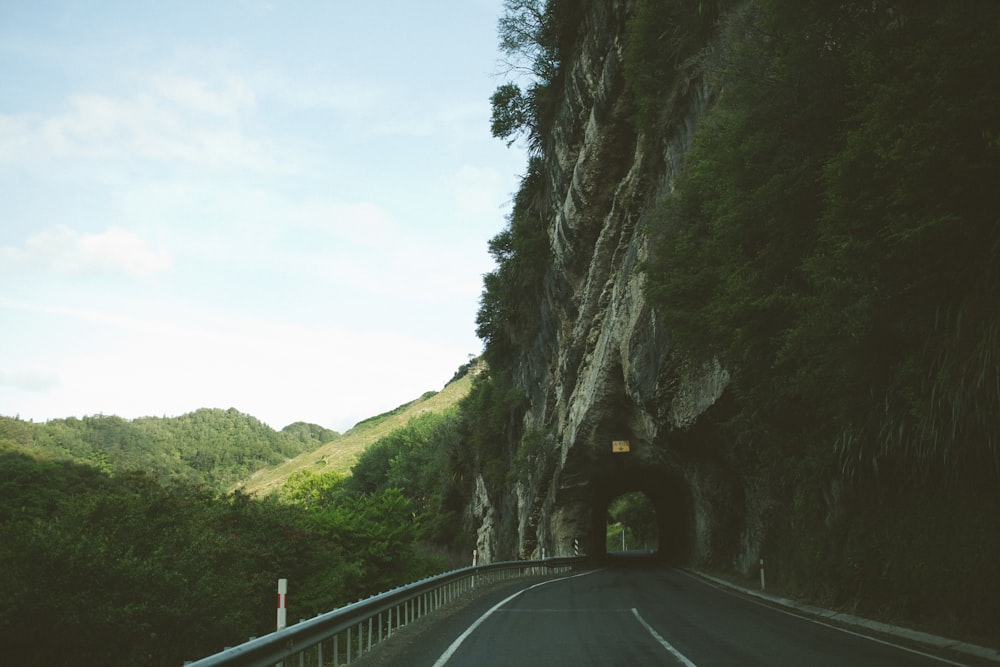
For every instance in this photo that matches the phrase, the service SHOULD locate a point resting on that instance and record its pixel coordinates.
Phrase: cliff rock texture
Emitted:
(602, 369)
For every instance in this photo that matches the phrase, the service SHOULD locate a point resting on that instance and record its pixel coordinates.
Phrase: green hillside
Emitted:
(209, 446)
(343, 452)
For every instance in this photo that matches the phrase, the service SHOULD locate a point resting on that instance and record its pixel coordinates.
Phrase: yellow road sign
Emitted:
(620, 446)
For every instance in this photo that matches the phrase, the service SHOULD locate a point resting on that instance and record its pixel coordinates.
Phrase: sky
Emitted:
(279, 207)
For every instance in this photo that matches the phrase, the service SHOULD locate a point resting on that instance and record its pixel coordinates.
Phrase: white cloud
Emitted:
(322, 91)
(64, 250)
(230, 98)
(98, 126)
(278, 372)
(361, 223)
(29, 380)
(172, 118)
(14, 131)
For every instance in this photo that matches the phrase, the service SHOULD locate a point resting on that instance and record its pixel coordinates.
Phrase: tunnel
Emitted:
(669, 494)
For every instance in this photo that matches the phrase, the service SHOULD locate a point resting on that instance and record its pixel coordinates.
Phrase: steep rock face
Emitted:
(602, 368)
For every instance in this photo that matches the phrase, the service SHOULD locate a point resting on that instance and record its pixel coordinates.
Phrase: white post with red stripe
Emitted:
(282, 603)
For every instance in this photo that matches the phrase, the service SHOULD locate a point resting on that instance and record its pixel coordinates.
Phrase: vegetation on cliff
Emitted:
(833, 240)
(537, 37)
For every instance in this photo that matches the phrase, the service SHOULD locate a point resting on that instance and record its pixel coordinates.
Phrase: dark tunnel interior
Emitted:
(670, 496)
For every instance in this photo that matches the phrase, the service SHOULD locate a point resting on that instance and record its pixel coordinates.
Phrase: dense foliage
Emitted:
(834, 241)
(422, 462)
(209, 446)
(663, 39)
(126, 569)
(634, 516)
(834, 237)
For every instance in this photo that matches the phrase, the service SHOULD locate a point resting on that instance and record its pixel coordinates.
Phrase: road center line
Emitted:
(663, 642)
(446, 656)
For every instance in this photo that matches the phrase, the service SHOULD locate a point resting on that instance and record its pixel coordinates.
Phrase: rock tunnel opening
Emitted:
(668, 493)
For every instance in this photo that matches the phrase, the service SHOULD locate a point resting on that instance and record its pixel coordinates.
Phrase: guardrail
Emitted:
(342, 635)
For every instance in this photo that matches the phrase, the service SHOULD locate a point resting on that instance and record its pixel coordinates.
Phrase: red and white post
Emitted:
(282, 603)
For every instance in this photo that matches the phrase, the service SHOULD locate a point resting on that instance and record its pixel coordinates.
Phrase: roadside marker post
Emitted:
(761, 574)
(282, 603)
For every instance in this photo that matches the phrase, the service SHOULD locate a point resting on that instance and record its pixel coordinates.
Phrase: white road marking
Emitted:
(446, 656)
(663, 642)
(802, 617)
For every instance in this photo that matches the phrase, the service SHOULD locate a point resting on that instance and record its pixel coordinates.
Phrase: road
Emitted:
(636, 616)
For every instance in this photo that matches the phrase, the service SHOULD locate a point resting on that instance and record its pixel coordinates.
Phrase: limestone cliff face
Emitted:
(602, 368)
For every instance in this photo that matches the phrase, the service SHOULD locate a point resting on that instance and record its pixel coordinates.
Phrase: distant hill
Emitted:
(209, 446)
(341, 453)
(222, 449)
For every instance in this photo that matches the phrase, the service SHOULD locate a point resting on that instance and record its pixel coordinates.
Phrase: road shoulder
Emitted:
(953, 647)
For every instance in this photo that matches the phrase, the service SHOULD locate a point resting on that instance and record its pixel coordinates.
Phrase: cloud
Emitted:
(362, 224)
(153, 127)
(180, 361)
(13, 133)
(64, 250)
(230, 98)
(29, 380)
(171, 118)
(317, 90)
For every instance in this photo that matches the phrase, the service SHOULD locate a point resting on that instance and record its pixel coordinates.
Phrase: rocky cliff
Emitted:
(602, 368)
(763, 184)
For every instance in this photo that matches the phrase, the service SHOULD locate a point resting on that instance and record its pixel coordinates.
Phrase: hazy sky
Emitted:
(281, 207)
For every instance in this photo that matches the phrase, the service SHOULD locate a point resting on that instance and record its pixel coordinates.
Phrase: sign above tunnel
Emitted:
(621, 446)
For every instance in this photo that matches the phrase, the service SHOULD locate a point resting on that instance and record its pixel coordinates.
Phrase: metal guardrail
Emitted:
(342, 635)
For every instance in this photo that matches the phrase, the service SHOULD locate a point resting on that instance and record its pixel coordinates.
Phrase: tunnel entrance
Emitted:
(665, 493)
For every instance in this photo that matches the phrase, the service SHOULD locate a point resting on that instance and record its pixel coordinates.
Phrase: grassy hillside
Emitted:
(342, 453)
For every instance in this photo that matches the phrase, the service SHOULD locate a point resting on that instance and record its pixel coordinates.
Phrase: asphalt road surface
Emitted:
(639, 617)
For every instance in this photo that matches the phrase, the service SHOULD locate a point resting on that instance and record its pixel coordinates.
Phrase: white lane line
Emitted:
(446, 656)
(750, 597)
(663, 642)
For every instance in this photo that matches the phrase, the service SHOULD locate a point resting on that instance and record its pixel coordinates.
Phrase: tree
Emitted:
(535, 38)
